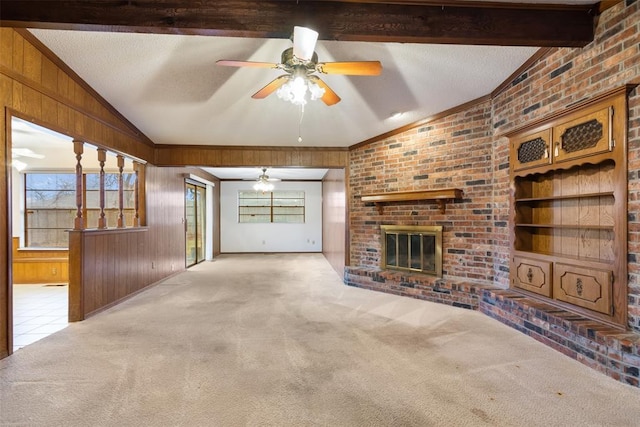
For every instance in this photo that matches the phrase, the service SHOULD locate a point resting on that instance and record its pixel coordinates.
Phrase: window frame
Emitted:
(272, 206)
(128, 211)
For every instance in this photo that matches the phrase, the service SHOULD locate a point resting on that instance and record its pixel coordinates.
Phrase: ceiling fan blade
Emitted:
(271, 87)
(357, 68)
(329, 97)
(304, 42)
(232, 63)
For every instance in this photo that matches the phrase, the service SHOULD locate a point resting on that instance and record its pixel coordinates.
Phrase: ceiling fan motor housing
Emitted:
(291, 62)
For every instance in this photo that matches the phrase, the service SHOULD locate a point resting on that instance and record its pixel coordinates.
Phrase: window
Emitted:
(50, 202)
(271, 206)
(50, 205)
(111, 210)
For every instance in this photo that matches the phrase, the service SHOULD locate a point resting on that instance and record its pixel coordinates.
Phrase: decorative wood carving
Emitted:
(441, 197)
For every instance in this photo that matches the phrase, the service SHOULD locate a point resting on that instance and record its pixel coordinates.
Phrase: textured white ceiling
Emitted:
(171, 89)
(46, 150)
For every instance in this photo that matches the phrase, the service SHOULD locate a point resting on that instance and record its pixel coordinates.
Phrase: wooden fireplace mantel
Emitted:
(439, 196)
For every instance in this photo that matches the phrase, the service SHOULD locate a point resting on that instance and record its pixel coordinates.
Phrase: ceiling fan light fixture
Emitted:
(263, 186)
(315, 91)
(295, 91)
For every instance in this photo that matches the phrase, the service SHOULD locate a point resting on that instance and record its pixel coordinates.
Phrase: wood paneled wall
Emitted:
(228, 156)
(39, 265)
(107, 266)
(98, 278)
(35, 86)
(334, 219)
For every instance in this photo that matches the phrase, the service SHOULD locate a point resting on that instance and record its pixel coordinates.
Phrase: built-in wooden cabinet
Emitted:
(569, 208)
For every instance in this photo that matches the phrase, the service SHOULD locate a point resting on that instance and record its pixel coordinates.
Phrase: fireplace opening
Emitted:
(412, 248)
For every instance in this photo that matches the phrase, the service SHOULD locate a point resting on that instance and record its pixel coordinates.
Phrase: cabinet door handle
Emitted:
(546, 151)
(556, 152)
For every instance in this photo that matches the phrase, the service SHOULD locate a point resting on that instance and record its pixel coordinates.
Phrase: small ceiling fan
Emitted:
(264, 183)
(301, 62)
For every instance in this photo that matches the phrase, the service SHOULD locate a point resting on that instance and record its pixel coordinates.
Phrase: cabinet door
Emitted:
(533, 275)
(585, 136)
(585, 287)
(531, 150)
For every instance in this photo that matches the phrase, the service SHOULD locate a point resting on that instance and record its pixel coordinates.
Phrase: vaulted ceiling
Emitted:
(155, 61)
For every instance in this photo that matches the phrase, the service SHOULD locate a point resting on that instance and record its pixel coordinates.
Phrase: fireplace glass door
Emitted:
(414, 249)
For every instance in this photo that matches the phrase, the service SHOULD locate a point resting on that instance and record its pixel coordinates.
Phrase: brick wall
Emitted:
(465, 150)
(454, 152)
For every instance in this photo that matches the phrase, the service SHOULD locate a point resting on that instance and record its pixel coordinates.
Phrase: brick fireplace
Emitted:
(465, 148)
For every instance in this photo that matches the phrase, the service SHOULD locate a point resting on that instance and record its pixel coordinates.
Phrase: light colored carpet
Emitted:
(279, 340)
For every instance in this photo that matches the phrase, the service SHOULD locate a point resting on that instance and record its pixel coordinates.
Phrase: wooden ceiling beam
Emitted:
(392, 21)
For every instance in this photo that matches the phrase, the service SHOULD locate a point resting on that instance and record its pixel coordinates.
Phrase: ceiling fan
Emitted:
(301, 62)
(264, 183)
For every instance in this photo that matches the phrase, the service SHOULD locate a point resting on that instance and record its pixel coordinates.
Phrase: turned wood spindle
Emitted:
(120, 191)
(78, 149)
(102, 157)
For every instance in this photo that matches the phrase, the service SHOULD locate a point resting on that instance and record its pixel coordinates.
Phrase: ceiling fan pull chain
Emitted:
(300, 123)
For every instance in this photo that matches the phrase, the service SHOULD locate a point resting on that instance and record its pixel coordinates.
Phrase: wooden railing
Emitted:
(104, 263)
(138, 168)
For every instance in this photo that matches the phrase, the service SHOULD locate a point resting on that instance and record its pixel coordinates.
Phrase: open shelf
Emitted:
(565, 197)
(567, 226)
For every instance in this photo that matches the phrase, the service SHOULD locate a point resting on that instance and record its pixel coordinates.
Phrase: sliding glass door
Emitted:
(195, 208)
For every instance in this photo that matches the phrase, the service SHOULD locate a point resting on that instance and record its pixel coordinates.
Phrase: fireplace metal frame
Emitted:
(416, 230)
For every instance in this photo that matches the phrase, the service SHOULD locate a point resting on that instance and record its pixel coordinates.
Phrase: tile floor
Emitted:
(38, 311)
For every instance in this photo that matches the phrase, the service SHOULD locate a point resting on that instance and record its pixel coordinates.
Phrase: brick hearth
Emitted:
(613, 352)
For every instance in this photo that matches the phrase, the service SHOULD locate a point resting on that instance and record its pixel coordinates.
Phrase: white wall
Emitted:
(236, 237)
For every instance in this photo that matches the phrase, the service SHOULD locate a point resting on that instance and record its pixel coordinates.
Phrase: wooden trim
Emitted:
(98, 231)
(6, 252)
(245, 156)
(570, 109)
(246, 147)
(440, 196)
(423, 122)
(608, 4)
(131, 130)
(76, 276)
